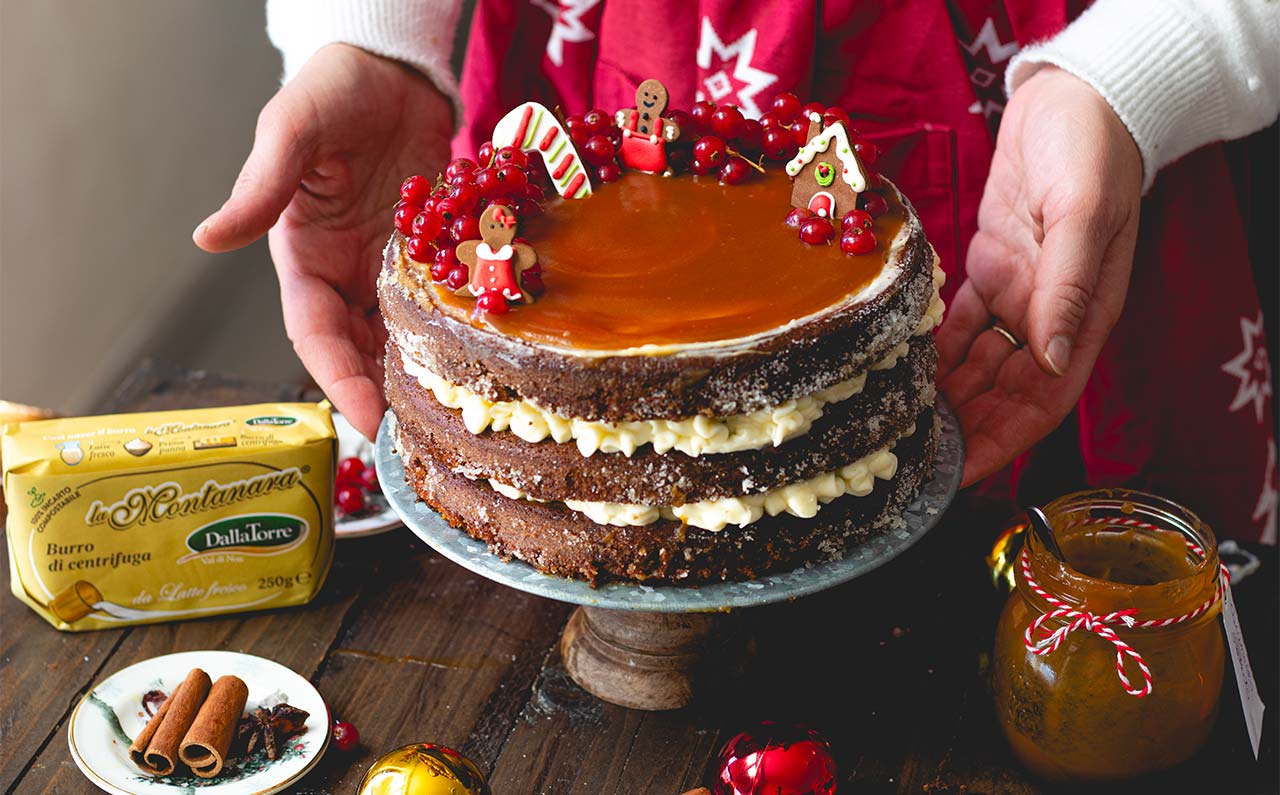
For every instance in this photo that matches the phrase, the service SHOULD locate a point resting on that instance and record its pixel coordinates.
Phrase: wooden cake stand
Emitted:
(652, 646)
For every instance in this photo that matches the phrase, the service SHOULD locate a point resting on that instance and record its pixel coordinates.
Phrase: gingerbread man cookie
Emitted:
(644, 132)
(495, 263)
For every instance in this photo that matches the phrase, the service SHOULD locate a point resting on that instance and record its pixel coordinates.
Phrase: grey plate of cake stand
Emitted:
(642, 646)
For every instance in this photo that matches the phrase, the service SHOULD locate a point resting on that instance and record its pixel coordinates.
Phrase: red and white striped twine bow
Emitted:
(1102, 625)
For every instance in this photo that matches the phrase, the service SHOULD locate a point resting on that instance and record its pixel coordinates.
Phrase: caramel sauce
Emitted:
(1128, 557)
(650, 260)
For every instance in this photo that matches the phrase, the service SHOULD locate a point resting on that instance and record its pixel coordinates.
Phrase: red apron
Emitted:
(1180, 400)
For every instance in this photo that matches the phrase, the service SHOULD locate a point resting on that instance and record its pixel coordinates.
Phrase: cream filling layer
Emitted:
(693, 436)
(803, 499)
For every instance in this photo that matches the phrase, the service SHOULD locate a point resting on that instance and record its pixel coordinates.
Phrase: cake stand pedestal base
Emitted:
(650, 661)
(653, 647)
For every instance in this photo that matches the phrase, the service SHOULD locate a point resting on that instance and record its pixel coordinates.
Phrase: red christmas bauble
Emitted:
(776, 759)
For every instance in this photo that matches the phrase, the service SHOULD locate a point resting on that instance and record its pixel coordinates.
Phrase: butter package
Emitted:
(141, 518)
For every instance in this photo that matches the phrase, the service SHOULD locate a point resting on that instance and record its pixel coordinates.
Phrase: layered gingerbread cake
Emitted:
(664, 376)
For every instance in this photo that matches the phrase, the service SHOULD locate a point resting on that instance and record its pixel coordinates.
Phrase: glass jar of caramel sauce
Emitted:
(1109, 664)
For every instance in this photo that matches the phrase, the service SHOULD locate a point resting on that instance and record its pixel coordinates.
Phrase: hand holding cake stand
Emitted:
(641, 646)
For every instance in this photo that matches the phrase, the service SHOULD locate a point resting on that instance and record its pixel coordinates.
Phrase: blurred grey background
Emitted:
(122, 125)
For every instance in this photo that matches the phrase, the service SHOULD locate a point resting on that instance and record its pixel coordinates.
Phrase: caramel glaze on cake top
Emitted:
(658, 261)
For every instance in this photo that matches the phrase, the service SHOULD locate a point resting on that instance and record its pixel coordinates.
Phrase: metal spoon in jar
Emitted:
(1044, 531)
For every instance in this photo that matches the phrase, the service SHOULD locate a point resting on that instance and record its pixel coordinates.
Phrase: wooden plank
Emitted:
(433, 653)
(44, 672)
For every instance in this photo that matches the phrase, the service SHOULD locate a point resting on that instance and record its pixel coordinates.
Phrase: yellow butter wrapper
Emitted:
(163, 516)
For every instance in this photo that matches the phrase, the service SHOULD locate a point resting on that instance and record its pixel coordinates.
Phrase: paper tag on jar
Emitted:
(1250, 701)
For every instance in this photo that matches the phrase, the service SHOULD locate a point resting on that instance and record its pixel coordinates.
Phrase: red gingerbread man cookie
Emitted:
(495, 263)
(644, 132)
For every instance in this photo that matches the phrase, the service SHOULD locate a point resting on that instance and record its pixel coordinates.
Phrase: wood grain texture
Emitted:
(411, 648)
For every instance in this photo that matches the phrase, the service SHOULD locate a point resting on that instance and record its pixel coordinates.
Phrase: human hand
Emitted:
(1050, 261)
(329, 153)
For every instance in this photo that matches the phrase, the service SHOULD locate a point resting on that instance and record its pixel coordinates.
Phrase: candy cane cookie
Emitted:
(533, 128)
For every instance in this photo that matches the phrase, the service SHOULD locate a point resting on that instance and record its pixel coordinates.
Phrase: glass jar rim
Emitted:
(1131, 510)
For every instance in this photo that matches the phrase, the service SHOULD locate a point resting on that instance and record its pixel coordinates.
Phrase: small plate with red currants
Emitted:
(359, 507)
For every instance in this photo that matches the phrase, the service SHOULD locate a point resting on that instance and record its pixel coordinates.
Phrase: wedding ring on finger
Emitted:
(999, 328)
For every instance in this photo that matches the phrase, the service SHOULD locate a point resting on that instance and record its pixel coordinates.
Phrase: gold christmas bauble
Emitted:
(424, 769)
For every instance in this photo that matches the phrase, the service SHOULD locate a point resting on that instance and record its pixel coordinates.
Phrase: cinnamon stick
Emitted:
(204, 748)
(155, 749)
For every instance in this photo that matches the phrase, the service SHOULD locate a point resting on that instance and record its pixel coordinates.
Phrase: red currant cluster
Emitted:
(597, 138)
(716, 140)
(856, 236)
(436, 218)
(355, 481)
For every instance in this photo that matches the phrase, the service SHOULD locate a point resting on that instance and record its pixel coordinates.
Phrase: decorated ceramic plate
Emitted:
(378, 516)
(113, 712)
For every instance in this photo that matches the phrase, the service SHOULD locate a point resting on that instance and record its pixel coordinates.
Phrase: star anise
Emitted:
(265, 728)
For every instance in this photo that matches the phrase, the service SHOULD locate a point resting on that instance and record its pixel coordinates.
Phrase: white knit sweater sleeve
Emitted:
(1179, 73)
(417, 32)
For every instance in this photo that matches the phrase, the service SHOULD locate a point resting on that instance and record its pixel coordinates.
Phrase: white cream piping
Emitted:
(692, 436)
(803, 499)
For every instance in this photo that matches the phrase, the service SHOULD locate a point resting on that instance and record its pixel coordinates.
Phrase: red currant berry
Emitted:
(777, 143)
(701, 169)
(345, 736)
(466, 197)
(415, 189)
(798, 216)
(440, 270)
(447, 257)
(464, 227)
(459, 167)
(457, 278)
(350, 467)
(369, 479)
(700, 114)
(874, 203)
(858, 241)
(812, 107)
(817, 231)
(350, 500)
(598, 150)
(487, 183)
(834, 114)
(511, 156)
(512, 180)
(448, 210)
(735, 171)
(771, 119)
(419, 249)
(492, 302)
(726, 122)
(799, 131)
(680, 119)
(856, 218)
(751, 136)
(577, 128)
(868, 152)
(597, 121)
(709, 151)
(609, 172)
(679, 157)
(485, 156)
(426, 225)
(527, 208)
(786, 106)
(405, 213)
(532, 282)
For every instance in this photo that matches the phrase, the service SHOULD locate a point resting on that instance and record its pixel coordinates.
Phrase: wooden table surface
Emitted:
(409, 647)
